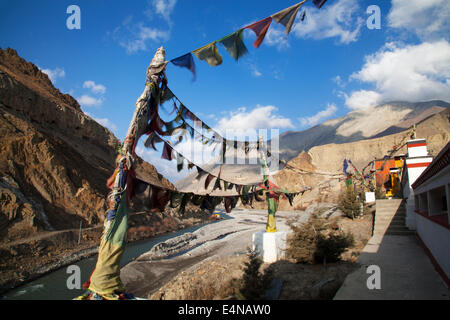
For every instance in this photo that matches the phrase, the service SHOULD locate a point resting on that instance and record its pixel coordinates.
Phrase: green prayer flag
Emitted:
(234, 44)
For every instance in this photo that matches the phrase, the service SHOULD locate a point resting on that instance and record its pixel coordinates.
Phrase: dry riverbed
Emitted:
(203, 264)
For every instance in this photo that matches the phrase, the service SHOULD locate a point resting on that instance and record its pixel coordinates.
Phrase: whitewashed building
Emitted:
(426, 188)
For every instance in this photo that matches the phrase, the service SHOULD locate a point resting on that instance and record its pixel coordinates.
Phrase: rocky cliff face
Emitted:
(54, 159)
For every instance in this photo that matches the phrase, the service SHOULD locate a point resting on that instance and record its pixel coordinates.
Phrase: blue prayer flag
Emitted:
(186, 61)
(319, 3)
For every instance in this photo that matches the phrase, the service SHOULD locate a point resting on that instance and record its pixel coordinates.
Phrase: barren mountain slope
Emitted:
(378, 121)
(54, 159)
(329, 158)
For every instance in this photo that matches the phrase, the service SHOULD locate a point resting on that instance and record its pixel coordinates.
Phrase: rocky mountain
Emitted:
(378, 121)
(54, 159)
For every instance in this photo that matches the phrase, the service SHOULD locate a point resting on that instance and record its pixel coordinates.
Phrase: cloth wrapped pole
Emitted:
(104, 282)
(272, 206)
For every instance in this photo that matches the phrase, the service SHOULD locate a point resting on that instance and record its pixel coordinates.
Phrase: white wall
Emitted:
(437, 240)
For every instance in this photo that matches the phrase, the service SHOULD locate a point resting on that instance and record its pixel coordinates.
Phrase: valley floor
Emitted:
(202, 265)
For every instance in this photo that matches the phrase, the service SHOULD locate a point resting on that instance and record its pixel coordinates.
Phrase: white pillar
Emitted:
(410, 219)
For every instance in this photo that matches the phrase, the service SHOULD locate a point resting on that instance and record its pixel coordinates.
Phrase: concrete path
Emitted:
(406, 272)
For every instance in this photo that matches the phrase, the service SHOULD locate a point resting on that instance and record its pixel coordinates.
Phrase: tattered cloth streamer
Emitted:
(234, 44)
(210, 54)
(287, 16)
(260, 29)
(104, 282)
(186, 61)
(319, 3)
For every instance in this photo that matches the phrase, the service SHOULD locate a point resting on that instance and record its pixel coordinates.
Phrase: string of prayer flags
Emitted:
(151, 140)
(186, 61)
(210, 54)
(180, 160)
(303, 16)
(208, 180)
(234, 44)
(287, 16)
(167, 152)
(260, 29)
(319, 3)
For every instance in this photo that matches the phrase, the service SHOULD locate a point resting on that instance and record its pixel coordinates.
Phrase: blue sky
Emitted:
(329, 65)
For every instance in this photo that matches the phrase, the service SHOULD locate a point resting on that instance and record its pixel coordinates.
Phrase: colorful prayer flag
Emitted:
(167, 152)
(319, 3)
(260, 29)
(210, 54)
(234, 44)
(185, 61)
(287, 16)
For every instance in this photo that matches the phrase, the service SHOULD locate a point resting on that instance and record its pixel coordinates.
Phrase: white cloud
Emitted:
(95, 88)
(319, 116)
(135, 36)
(164, 8)
(429, 19)
(254, 70)
(334, 20)
(261, 117)
(338, 80)
(276, 37)
(362, 99)
(54, 74)
(88, 101)
(412, 73)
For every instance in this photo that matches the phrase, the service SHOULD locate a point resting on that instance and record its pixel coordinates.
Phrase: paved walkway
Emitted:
(406, 272)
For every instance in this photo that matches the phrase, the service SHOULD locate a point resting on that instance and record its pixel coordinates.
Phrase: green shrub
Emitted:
(317, 242)
(329, 248)
(349, 203)
(254, 284)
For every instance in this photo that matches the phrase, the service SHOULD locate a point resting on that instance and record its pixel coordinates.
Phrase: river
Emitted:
(53, 285)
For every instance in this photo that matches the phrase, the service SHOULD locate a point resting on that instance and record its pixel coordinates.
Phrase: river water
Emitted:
(53, 286)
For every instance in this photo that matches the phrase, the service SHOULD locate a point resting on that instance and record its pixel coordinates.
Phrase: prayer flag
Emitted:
(234, 44)
(186, 61)
(210, 54)
(167, 152)
(287, 16)
(260, 29)
(319, 3)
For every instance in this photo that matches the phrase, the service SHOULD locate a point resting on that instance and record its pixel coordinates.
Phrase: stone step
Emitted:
(385, 213)
(397, 228)
(386, 217)
(406, 232)
(391, 209)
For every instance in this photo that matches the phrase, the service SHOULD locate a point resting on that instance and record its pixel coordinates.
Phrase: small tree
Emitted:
(254, 283)
(329, 248)
(349, 203)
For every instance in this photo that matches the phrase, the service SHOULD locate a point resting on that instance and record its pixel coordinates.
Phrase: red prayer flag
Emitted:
(260, 28)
